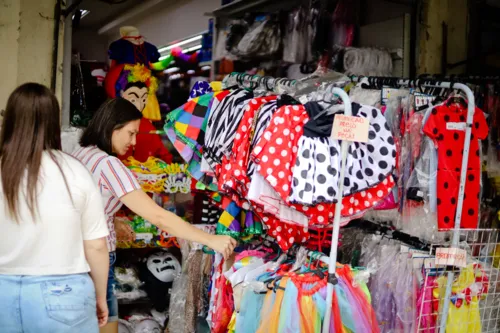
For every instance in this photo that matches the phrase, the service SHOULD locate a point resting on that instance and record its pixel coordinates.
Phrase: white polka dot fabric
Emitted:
(316, 171)
(314, 179)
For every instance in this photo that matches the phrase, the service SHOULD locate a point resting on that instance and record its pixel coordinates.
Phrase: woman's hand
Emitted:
(222, 244)
(102, 312)
(141, 204)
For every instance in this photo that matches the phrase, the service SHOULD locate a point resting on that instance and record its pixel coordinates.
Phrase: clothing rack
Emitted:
(332, 278)
(254, 81)
(461, 78)
(391, 232)
(432, 83)
(269, 83)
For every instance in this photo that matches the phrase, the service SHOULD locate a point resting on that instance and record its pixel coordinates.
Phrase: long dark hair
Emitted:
(113, 115)
(31, 125)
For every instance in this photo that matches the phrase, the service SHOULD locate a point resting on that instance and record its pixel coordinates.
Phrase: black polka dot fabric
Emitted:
(316, 171)
(315, 175)
(370, 163)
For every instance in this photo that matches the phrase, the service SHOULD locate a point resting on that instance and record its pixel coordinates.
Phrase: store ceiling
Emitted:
(102, 12)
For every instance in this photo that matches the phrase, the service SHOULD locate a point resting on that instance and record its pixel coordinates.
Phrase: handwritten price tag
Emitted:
(451, 257)
(350, 128)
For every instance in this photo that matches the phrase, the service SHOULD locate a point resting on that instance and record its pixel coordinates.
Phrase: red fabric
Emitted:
(111, 78)
(277, 168)
(233, 177)
(450, 142)
(148, 145)
(224, 304)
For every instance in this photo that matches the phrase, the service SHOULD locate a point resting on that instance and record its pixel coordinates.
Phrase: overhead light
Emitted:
(171, 70)
(191, 72)
(206, 68)
(83, 12)
(175, 77)
(191, 49)
(184, 42)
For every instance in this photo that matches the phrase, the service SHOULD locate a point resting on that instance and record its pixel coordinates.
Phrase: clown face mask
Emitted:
(137, 94)
(164, 266)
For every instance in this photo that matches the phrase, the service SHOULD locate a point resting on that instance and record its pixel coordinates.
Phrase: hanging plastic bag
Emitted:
(262, 39)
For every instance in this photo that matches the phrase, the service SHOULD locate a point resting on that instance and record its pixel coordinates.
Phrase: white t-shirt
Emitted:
(113, 179)
(52, 244)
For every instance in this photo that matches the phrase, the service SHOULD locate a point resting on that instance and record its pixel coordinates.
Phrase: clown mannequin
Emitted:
(131, 77)
(147, 144)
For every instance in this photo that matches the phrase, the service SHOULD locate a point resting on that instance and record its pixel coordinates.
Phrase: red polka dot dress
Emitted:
(446, 127)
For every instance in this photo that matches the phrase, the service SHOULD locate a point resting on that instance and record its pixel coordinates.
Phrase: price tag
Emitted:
(350, 128)
(451, 257)
(146, 236)
(455, 126)
(303, 99)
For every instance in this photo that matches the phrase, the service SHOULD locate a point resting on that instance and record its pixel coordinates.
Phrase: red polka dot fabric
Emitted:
(277, 149)
(234, 173)
(274, 156)
(446, 127)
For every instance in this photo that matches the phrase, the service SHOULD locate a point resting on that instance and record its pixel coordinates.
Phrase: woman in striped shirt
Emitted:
(111, 132)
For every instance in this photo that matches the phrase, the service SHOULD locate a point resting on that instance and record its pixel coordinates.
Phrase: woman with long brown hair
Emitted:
(52, 219)
(112, 132)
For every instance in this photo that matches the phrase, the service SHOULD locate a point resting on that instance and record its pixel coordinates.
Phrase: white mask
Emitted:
(124, 327)
(147, 326)
(164, 266)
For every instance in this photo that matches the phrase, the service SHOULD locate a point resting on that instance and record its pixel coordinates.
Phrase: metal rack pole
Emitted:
(323, 259)
(458, 215)
(461, 191)
(332, 278)
(463, 175)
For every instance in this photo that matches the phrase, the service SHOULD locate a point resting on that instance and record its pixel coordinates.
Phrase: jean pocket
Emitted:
(67, 300)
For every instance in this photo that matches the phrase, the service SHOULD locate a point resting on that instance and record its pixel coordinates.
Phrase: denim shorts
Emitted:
(111, 293)
(56, 304)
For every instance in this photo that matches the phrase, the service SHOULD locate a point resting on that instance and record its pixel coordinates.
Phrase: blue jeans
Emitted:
(111, 292)
(56, 304)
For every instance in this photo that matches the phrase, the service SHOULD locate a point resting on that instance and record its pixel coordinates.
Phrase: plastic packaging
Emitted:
(128, 284)
(262, 39)
(178, 294)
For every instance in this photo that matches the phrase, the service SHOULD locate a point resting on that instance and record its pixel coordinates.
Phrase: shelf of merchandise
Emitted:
(239, 8)
(139, 301)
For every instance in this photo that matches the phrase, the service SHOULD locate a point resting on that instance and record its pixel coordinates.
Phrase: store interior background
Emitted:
(442, 37)
(469, 45)
(427, 37)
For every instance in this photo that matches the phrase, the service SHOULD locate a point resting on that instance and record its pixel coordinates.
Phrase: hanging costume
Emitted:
(132, 62)
(446, 127)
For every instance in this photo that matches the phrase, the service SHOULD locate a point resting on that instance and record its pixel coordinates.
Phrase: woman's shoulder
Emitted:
(92, 156)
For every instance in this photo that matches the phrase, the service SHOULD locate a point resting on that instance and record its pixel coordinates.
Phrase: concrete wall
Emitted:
(26, 36)
(433, 14)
